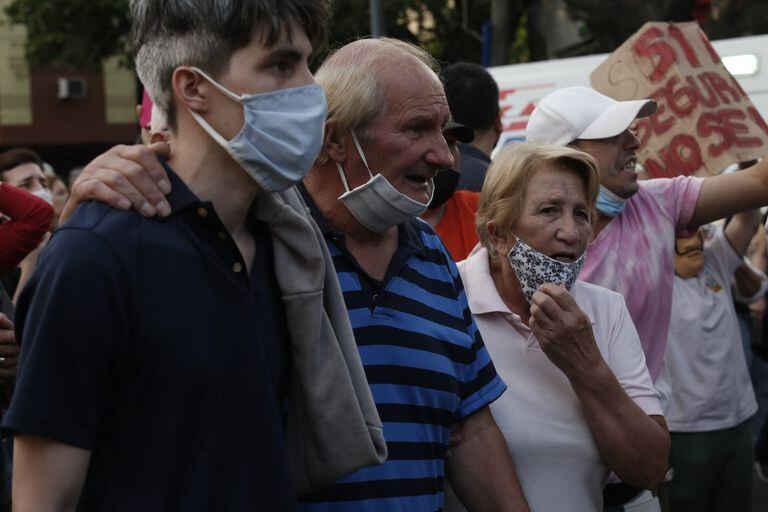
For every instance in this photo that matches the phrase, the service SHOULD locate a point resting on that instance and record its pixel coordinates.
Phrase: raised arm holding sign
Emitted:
(692, 120)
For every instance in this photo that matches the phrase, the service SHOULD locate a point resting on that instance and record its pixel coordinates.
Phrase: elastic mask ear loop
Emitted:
(209, 129)
(342, 175)
(236, 97)
(362, 155)
(202, 122)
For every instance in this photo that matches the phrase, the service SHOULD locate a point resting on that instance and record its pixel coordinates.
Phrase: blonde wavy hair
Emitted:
(506, 183)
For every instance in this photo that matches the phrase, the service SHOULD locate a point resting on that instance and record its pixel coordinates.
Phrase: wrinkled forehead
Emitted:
(555, 181)
(414, 89)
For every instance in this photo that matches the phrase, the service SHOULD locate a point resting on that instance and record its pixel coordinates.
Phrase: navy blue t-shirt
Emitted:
(474, 164)
(147, 342)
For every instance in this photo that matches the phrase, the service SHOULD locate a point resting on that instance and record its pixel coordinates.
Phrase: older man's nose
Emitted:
(439, 155)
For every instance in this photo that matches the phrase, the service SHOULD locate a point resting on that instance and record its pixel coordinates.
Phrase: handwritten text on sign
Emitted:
(704, 120)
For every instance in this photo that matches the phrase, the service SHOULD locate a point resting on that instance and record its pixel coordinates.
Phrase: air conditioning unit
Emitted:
(71, 88)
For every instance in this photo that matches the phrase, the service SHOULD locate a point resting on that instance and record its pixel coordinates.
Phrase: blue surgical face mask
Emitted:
(376, 204)
(609, 203)
(281, 136)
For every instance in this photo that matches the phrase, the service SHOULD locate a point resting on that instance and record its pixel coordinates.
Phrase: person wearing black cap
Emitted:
(473, 96)
(452, 212)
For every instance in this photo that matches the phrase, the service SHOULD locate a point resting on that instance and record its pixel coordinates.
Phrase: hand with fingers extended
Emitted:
(9, 351)
(125, 177)
(564, 331)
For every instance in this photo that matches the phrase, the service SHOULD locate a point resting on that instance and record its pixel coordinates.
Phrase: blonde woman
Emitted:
(580, 401)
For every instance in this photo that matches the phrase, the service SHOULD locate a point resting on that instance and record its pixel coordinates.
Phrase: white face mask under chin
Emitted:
(376, 204)
(533, 268)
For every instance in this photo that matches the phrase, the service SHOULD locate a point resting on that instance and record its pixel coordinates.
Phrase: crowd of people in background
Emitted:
(327, 293)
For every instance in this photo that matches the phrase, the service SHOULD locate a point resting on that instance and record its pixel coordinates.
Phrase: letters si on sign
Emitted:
(704, 121)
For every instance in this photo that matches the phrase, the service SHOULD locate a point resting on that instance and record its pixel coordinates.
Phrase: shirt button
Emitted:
(237, 267)
(221, 235)
(375, 297)
(202, 212)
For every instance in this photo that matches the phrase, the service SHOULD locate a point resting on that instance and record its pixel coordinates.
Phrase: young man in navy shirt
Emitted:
(155, 359)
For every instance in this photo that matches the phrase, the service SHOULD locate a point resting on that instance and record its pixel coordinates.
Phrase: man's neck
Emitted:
(373, 251)
(600, 223)
(485, 141)
(433, 216)
(213, 175)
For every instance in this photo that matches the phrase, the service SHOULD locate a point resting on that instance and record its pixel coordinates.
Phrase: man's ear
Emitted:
(161, 136)
(190, 89)
(335, 142)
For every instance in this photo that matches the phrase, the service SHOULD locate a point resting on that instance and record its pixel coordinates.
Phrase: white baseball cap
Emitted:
(573, 113)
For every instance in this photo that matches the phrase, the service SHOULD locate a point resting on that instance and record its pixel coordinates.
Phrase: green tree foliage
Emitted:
(741, 18)
(81, 33)
(437, 25)
(609, 28)
(77, 34)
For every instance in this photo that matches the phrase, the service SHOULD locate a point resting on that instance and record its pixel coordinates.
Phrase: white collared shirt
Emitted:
(540, 415)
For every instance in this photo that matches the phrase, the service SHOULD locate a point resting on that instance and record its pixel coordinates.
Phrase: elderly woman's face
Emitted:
(555, 216)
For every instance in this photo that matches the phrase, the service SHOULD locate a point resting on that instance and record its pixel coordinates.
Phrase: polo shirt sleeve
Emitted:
(626, 358)
(71, 319)
(720, 253)
(481, 385)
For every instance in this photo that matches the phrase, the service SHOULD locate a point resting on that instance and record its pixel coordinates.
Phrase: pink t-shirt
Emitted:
(634, 255)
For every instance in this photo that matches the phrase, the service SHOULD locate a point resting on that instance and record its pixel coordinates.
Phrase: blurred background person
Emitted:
(711, 400)
(473, 97)
(26, 218)
(144, 114)
(452, 212)
(23, 168)
(59, 195)
(72, 175)
(580, 401)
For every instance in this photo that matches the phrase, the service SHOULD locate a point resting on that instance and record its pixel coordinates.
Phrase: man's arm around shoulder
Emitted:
(480, 467)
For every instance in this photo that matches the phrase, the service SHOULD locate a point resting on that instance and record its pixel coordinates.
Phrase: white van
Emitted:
(521, 86)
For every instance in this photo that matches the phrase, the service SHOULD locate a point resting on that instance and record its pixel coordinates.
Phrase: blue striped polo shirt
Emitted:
(425, 362)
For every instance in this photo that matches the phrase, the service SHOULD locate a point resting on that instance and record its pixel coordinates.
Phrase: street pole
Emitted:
(377, 19)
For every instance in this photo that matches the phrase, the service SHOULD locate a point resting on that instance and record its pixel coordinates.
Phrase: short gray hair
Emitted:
(350, 77)
(204, 33)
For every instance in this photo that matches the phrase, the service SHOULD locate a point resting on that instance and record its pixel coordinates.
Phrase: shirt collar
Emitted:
(481, 291)
(180, 197)
(470, 150)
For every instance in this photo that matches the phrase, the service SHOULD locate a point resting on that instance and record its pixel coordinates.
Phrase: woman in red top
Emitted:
(26, 219)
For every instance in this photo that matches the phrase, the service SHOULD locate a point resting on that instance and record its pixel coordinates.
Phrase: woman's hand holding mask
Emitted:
(564, 331)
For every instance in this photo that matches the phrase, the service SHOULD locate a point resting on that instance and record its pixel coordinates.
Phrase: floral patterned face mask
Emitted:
(534, 269)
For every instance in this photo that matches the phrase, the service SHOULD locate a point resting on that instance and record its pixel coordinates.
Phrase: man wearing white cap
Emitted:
(633, 247)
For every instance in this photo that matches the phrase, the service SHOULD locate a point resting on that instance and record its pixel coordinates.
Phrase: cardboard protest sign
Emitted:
(704, 121)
